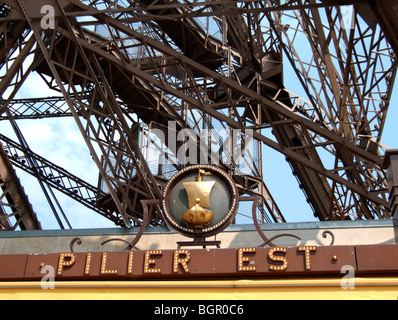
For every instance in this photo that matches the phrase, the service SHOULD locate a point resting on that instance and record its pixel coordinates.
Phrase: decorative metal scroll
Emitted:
(257, 225)
(131, 245)
(267, 241)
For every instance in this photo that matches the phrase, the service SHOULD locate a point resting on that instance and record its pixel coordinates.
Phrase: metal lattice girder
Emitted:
(348, 74)
(305, 126)
(222, 60)
(60, 179)
(38, 108)
(107, 157)
(13, 201)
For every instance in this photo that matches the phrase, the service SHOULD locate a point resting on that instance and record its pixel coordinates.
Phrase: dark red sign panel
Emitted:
(204, 263)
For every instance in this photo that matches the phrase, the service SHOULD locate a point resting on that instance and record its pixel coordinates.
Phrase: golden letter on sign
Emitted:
(273, 257)
(65, 263)
(88, 264)
(307, 251)
(103, 265)
(242, 258)
(178, 260)
(130, 263)
(149, 261)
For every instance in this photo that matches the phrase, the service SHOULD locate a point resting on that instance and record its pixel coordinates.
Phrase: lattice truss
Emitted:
(125, 68)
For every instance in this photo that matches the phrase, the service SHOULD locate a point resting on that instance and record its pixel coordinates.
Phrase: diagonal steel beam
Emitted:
(60, 179)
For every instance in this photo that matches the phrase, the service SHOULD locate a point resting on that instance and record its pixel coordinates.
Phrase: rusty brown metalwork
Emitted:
(14, 203)
(124, 67)
(72, 243)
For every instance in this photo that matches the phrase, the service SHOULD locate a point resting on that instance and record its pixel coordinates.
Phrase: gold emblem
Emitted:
(198, 217)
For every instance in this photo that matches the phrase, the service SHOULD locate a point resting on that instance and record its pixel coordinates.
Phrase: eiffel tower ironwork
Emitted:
(122, 68)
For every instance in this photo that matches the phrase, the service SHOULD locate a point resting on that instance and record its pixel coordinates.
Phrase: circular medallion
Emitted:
(200, 201)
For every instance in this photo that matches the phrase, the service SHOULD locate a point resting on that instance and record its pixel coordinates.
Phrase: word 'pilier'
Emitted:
(277, 260)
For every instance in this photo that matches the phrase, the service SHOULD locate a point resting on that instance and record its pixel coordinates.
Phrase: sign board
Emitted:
(187, 264)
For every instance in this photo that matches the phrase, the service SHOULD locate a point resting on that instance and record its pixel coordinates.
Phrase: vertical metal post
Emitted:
(391, 164)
